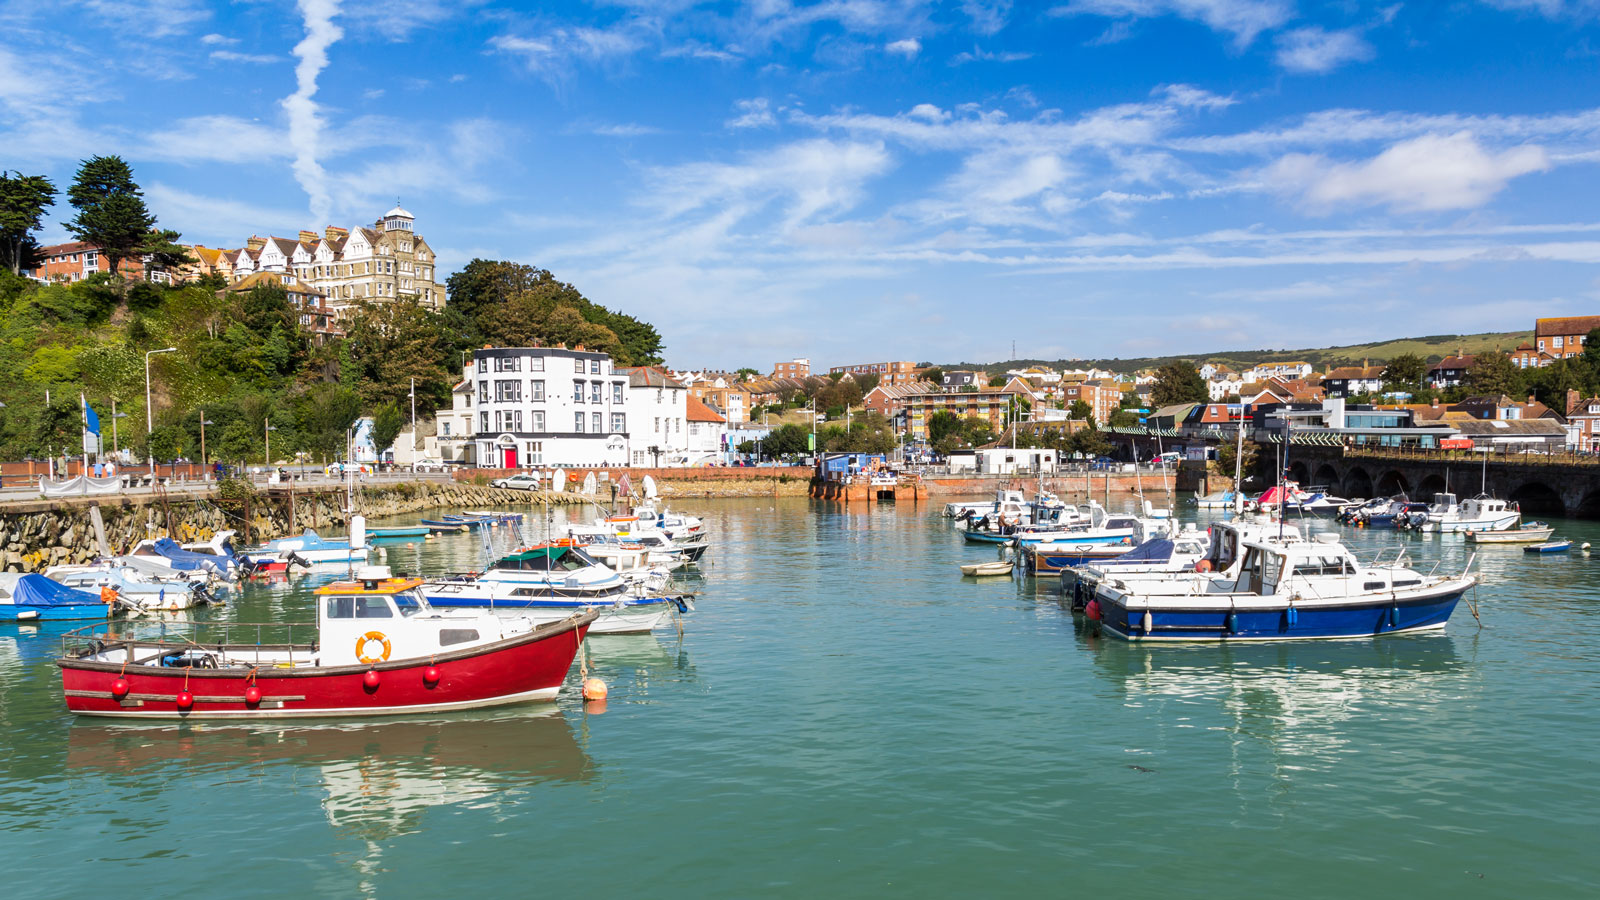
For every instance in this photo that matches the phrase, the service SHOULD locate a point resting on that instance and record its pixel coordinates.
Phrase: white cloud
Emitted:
(217, 40)
(988, 16)
(216, 138)
(1244, 19)
(1314, 50)
(978, 54)
(1429, 173)
(149, 18)
(907, 47)
(753, 113)
(625, 130)
(1553, 9)
(547, 53)
(305, 125)
(252, 58)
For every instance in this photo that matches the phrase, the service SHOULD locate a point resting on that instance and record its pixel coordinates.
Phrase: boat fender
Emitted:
(1394, 617)
(1233, 623)
(361, 647)
(1092, 609)
(430, 676)
(1293, 616)
(371, 679)
(682, 606)
(252, 695)
(1148, 623)
(1203, 566)
(185, 700)
(119, 688)
(594, 689)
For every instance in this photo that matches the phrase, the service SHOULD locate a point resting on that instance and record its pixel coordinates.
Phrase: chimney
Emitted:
(1572, 401)
(579, 348)
(307, 236)
(256, 242)
(1530, 398)
(335, 233)
(1435, 403)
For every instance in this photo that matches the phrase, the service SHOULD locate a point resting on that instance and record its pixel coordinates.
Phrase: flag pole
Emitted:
(83, 412)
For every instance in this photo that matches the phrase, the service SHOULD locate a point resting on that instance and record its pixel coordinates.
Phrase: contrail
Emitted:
(305, 126)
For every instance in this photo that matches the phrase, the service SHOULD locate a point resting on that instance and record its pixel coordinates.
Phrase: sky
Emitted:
(856, 181)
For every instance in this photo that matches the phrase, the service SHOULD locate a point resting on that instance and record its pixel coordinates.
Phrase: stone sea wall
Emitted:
(38, 534)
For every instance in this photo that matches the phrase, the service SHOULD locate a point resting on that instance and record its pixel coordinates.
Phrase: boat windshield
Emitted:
(410, 603)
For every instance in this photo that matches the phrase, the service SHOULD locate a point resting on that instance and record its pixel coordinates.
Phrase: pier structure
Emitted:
(864, 488)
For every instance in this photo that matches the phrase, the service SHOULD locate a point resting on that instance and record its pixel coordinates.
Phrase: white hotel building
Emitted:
(550, 406)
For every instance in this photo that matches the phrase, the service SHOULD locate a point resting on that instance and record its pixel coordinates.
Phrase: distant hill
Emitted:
(1433, 348)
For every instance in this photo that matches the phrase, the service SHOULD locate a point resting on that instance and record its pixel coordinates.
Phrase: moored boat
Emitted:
(379, 650)
(999, 567)
(1280, 590)
(35, 598)
(1531, 533)
(1480, 513)
(1560, 546)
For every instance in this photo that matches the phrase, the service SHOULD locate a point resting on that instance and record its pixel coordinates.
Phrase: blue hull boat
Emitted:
(1549, 547)
(35, 598)
(1353, 621)
(985, 537)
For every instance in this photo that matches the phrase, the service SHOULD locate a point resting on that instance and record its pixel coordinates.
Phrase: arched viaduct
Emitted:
(1566, 489)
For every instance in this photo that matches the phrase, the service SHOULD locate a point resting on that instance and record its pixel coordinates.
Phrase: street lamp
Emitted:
(149, 415)
(205, 461)
(413, 424)
(116, 445)
(267, 436)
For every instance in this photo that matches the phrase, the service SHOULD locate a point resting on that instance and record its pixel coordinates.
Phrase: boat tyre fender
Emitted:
(369, 637)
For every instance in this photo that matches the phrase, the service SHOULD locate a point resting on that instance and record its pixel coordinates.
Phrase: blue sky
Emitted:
(863, 180)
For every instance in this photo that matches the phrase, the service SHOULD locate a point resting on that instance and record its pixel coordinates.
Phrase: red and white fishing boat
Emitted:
(379, 650)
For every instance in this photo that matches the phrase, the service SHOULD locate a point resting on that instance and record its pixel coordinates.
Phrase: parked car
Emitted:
(1169, 459)
(428, 465)
(521, 482)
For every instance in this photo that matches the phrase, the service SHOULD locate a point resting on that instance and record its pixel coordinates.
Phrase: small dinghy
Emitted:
(989, 568)
(1549, 547)
(1531, 533)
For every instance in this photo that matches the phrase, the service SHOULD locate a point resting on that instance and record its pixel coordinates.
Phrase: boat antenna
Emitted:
(1238, 468)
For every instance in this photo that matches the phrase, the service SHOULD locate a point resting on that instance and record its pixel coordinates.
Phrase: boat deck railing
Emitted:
(264, 635)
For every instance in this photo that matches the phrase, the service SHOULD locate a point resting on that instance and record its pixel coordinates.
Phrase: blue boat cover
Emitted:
(37, 590)
(185, 559)
(1153, 550)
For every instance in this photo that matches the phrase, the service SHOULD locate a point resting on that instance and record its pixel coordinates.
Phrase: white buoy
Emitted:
(1149, 623)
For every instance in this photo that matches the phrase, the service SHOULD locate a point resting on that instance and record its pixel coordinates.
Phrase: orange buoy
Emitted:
(594, 689)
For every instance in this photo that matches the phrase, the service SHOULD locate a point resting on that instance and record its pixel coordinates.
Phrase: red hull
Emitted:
(523, 668)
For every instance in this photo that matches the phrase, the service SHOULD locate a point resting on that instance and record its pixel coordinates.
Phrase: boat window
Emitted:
(1325, 565)
(408, 602)
(373, 607)
(448, 636)
(1412, 582)
(1271, 571)
(341, 607)
(1372, 586)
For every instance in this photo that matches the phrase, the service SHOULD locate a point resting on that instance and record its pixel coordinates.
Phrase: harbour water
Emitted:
(845, 715)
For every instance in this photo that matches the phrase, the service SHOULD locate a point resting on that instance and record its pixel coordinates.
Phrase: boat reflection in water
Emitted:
(1304, 705)
(379, 778)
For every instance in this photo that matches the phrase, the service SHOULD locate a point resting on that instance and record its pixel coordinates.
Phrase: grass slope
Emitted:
(1431, 347)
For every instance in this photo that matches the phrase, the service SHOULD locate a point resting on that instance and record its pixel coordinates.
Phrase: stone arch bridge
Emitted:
(1542, 488)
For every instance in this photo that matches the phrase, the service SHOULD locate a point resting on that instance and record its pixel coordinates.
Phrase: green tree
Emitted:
(386, 425)
(111, 211)
(322, 414)
(1080, 410)
(1550, 384)
(1228, 452)
(1494, 374)
(1088, 442)
(484, 289)
(389, 344)
(1178, 382)
(866, 383)
(1406, 369)
(23, 200)
(935, 375)
(976, 431)
(746, 373)
(1123, 418)
(997, 381)
(942, 424)
(166, 442)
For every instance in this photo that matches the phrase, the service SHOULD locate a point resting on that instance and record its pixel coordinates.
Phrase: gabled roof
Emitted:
(1565, 325)
(258, 278)
(1491, 427)
(1348, 373)
(696, 411)
(649, 376)
(1453, 362)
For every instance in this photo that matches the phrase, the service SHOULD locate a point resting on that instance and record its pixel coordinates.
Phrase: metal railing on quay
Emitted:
(1502, 455)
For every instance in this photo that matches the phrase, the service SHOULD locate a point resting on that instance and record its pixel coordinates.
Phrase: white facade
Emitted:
(550, 406)
(1222, 386)
(1286, 370)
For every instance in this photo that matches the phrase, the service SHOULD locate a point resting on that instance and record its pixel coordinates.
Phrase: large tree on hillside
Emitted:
(1494, 374)
(23, 200)
(386, 345)
(111, 211)
(1407, 368)
(1178, 382)
(516, 304)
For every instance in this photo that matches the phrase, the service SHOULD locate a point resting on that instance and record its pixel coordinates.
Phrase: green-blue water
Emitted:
(846, 716)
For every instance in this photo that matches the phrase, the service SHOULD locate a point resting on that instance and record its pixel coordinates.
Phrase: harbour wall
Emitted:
(37, 534)
(703, 482)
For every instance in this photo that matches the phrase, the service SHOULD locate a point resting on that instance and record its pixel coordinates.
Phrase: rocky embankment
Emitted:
(39, 534)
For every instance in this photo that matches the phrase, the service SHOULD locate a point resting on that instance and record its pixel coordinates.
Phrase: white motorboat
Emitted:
(1480, 513)
(134, 588)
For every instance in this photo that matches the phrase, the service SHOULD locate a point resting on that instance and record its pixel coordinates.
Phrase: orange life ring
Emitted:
(361, 647)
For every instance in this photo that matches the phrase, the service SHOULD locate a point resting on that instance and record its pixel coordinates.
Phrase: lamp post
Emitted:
(116, 444)
(266, 433)
(149, 414)
(205, 461)
(413, 424)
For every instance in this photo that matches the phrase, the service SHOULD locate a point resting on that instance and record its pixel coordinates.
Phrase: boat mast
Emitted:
(1283, 466)
(1238, 467)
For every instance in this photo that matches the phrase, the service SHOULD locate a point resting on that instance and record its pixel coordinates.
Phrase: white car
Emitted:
(427, 465)
(521, 482)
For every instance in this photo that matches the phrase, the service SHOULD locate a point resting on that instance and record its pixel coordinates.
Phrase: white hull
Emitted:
(633, 620)
(1497, 523)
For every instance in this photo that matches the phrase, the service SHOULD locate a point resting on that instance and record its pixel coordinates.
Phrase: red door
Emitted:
(511, 457)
